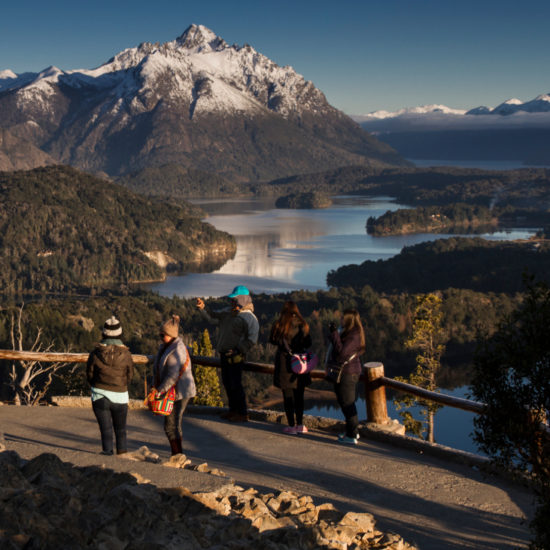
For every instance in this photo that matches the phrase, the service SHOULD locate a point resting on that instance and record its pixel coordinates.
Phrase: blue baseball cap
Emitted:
(239, 291)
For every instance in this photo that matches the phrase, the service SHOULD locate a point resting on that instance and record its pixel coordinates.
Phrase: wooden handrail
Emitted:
(51, 357)
(376, 401)
(436, 397)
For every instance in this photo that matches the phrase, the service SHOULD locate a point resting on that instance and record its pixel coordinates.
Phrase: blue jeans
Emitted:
(346, 393)
(111, 416)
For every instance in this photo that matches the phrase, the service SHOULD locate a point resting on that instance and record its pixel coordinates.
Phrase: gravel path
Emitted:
(432, 502)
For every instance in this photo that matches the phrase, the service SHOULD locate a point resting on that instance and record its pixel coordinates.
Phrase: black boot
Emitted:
(175, 446)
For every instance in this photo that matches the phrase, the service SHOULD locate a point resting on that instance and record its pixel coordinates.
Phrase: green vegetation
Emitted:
(511, 377)
(427, 340)
(206, 378)
(474, 263)
(62, 230)
(176, 181)
(304, 200)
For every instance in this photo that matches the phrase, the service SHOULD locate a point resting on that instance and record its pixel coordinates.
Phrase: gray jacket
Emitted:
(166, 369)
(237, 331)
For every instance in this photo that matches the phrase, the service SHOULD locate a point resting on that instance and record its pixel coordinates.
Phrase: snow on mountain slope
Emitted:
(421, 110)
(202, 69)
(541, 104)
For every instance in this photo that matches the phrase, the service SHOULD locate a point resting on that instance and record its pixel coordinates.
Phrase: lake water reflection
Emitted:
(280, 250)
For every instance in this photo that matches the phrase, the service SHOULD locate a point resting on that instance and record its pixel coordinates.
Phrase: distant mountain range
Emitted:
(195, 102)
(513, 130)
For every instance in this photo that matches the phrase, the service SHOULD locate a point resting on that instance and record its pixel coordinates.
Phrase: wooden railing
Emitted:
(373, 377)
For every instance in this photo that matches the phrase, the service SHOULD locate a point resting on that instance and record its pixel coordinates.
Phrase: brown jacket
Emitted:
(110, 367)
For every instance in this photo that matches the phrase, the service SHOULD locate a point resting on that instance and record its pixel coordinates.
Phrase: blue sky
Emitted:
(365, 55)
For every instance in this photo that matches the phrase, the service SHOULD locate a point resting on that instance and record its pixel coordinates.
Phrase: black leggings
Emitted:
(111, 416)
(293, 401)
(346, 393)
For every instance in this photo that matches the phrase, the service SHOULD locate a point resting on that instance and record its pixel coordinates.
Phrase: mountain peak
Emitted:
(200, 38)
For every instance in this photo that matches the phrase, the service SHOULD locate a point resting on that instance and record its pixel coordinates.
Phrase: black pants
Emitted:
(172, 422)
(232, 375)
(111, 416)
(293, 400)
(346, 393)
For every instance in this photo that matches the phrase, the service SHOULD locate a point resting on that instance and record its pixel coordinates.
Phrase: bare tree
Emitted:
(31, 379)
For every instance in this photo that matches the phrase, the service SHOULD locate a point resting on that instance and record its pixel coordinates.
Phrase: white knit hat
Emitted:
(112, 328)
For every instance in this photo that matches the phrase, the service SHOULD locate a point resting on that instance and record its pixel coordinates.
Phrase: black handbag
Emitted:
(333, 371)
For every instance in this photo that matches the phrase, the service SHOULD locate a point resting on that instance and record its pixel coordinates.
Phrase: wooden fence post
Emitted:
(375, 393)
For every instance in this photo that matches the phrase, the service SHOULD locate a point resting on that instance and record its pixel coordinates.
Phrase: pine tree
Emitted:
(206, 378)
(428, 339)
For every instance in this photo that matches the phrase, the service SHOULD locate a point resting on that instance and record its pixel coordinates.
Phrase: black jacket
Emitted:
(283, 377)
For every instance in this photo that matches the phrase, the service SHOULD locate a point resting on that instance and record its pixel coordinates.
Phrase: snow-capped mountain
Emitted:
(541, 104)
(514, 130)
(194, 101)
(420, 110)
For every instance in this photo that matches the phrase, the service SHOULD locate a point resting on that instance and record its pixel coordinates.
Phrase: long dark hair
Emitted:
(281, 328)
(351, 321)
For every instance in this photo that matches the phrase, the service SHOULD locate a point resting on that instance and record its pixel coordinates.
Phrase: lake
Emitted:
(281, 250)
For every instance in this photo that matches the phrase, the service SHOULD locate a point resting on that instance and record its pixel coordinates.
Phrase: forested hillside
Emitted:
(475, 264)
(62, 230)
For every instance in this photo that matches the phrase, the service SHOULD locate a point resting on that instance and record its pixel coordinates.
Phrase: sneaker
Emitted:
(290, 430)
(236, 417)
(343, 435)
(108, 453)
(301, 429)
(347, 440)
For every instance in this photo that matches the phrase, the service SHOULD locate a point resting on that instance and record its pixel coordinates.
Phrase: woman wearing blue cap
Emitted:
(238, 332)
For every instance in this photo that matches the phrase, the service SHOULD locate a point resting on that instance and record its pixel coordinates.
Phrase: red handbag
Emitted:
(161, 404)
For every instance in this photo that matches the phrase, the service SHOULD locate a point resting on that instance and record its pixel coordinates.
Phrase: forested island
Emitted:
(310, 200)
(454, 218)
(458, 217)
(62, 230)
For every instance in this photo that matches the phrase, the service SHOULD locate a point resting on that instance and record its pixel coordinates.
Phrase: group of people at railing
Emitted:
(110, 369)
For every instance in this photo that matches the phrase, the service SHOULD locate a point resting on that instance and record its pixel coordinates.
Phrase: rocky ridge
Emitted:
(47, 503)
